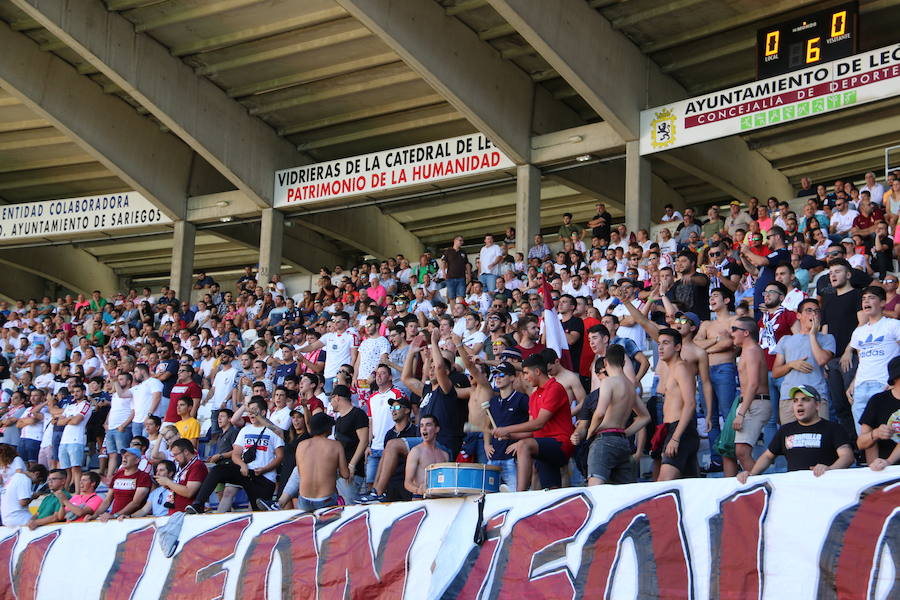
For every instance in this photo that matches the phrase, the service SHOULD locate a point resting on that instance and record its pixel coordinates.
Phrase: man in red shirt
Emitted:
(545, 439)
(128, 489)
(529, 336)
(185, 387)
(188, 478)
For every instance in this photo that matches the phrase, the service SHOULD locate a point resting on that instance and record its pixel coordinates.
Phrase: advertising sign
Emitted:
(843, 83)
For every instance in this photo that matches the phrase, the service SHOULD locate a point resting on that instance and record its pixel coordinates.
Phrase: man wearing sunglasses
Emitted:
(764, 266)
(841, 218)
(721, 270)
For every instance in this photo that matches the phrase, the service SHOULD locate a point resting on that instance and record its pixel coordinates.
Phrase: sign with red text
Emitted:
(388, 170)
(785, 536)
(842, 83)
(68, 216)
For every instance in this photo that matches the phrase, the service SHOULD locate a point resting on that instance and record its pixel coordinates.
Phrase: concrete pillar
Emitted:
(528, 206)
(637, 187)
(181, 279)
(271, 233)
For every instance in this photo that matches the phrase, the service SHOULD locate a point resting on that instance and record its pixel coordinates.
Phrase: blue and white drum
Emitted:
(444, 480)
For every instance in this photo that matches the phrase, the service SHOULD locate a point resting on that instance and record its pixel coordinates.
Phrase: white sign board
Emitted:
(388, 170)
(843, 83)
(61, 218)
(786, 536)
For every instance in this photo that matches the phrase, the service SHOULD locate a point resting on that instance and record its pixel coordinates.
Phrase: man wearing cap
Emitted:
(800, 359)
(810, 443)
(548, 444)
(879, 426)
(127, 490)
(507, 407)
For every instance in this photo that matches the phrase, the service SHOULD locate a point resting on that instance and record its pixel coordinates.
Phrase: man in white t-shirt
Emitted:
(875, 189)
(118, 423)
(379, 411)
(841, 219)
(280, 414)
(489, 263)
(372, 352)
(31, 427)
(341, 345)
(256, 476)
(145, 397)
(75, 417)
(876, 341)
(15, 500)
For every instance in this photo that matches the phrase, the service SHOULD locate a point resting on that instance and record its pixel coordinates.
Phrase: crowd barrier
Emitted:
(785, 536)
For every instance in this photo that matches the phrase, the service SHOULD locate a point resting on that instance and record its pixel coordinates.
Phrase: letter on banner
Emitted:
(129, 564)
(471, 578)
(856, 542)
(349, 567)
(737, 544)
(21, 583)
(663, 559)
(196, 572)
(535, 541)
(294, 541)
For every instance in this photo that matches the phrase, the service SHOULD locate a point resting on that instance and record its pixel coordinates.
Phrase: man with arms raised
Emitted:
(675, 442)
(319, 461)
(755, 407)
(609, 458)
(422, 456)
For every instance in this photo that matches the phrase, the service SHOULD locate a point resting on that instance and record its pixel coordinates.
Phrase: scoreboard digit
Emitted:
(817, 38)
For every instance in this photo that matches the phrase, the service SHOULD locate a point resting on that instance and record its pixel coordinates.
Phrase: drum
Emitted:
(445, 480)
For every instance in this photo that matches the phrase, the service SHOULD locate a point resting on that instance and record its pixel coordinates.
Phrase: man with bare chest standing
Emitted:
(755, 408)
(676, 442)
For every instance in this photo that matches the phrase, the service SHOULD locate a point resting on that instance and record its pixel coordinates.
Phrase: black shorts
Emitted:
(685, 460)
(549, 459)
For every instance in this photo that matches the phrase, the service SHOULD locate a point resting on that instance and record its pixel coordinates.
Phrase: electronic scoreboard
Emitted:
(817, 38)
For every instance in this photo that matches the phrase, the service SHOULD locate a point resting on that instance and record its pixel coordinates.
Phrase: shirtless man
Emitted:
(675, 442)
(609, 457)
(422, 456)
(570, 381)
(755, 408)
(715, 338)
(319, 461)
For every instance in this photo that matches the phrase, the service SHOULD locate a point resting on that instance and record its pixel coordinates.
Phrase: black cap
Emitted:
(320, 423)
(504, 368)
(893, 370)
(402, 401)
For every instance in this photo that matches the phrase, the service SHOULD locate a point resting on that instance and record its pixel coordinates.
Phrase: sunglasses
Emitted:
(834, 254)
(396, 407)
(715, 254)
(737, 329)
(682, 321)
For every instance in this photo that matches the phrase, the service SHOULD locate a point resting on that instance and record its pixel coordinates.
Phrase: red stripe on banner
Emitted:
(197, 573)
(129, 564)
(349, 567)
(736, 545)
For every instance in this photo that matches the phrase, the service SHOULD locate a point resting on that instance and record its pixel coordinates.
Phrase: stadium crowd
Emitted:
(765, 337)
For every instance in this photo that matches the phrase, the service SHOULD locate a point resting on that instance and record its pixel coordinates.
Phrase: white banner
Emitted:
(61, 218)
(843, 83)
(786, 536)
(387, 170)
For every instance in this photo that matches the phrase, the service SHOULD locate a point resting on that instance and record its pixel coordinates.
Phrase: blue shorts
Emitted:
(28, 449)
(71, 455)
(116, 440)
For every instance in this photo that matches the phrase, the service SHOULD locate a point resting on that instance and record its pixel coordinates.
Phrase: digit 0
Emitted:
(772, 39)
(838, 23)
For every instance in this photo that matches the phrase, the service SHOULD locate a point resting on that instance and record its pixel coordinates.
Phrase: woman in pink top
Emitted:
(763, 218)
